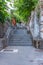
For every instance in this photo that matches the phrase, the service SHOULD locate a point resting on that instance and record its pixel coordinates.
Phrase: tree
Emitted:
(24, 8)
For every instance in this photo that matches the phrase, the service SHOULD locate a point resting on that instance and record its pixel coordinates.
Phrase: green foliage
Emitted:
(0, 0)
(3, 11)
(24, 8)
(22, 12)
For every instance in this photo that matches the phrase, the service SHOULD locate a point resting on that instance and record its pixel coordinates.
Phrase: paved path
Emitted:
(22, 55)
(20, 38)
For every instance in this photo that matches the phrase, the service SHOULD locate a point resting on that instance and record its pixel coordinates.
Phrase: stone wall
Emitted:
(1, 30)
(4, 39)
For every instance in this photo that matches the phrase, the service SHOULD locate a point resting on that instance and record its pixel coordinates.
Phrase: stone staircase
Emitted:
(20, 38)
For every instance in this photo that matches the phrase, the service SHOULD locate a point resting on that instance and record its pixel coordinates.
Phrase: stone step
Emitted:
(21, 44)
(20, 41)
(20, 38)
